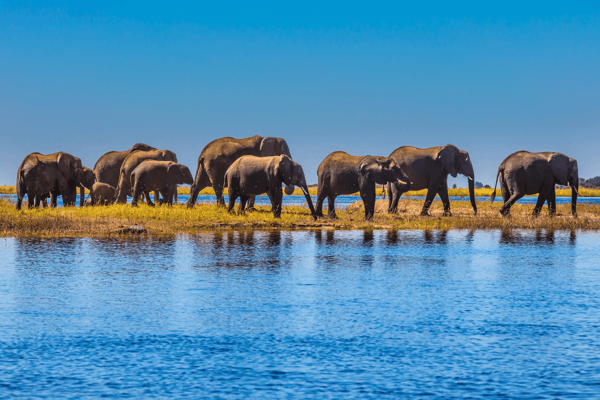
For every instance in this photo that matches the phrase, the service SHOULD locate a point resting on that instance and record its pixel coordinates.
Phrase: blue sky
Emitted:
(365, 78)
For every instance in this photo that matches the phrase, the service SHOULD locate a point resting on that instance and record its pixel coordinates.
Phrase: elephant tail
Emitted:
(493, 196)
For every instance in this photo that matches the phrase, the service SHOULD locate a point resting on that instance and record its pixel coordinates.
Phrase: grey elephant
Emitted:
(252, 176)
(342, 173)
(218, 155)
(53, 174)
(429, 169)
(108, 167)
(162, 176)
(134, 159)
(102, 194)
(85, 181)
(524, 173)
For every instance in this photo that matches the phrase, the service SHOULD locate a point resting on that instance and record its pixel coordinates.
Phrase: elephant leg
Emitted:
(136, 194)
(443, 192)
(53, 199)
(552, 203)
(368, 196)
(431, 193)
(148, 199)
(319, 206)
(157, 197)
(219, 192)
(251, 200)
(331, 206)
(542, 197)
(505, 209)
(37, 201)
(233, 195)
(393, 197)
(277, 198)
(243, 200)
(167, 193)
(30, 201)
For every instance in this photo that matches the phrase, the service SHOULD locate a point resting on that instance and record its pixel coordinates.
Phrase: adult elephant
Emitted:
(55, 174)
(108, 167)
(124, 187)
(342, 173)
(524, 173)
(218, 155)
(429, 169)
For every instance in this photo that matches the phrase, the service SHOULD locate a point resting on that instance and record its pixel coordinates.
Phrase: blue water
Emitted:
(307, 314)
(342, 202)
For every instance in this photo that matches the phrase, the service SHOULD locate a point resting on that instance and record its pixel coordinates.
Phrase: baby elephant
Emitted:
(252, 176)
(102, 194)
(162, 176)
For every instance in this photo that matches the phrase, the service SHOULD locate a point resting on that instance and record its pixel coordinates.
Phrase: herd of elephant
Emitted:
(252, 166)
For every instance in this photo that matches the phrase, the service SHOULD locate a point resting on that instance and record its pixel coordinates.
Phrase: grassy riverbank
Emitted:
(103, 221)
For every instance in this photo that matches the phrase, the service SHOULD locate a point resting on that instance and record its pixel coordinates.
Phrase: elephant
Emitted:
(53, 174)
(218, 155)
(86, 180)
(429, 169)
(524, 173)
(252, 176)
(108, 167)
(134, 159)
(342, 173)
(102, 194)
(163, 176)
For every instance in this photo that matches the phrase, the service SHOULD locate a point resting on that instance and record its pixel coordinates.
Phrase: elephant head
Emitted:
(85, 179)
(566, 172)
(141, 147)
(274, 146)
(291, 173)
(168, 155)
(457, 161)
(69, 166)
(381, 170)
(179, 174)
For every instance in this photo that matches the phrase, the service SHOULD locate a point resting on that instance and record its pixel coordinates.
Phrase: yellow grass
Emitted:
(164, 220)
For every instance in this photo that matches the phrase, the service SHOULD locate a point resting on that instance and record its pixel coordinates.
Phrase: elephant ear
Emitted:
(448, 156)
(67, 165)
(285, 169)
(372, 170)
(559, 164)
(269, 147)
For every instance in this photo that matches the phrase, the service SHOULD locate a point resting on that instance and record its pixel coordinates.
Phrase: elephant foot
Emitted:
(332, 216)
(424, 213)
(447, 213)
(251, 209)
(392, 211)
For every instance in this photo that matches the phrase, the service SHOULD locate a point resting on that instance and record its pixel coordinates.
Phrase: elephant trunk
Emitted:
(309, 201)
(289, 189)
(574, 193)
(472, 193)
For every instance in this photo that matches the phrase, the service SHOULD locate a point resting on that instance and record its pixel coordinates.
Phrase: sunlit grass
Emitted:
(164, 220)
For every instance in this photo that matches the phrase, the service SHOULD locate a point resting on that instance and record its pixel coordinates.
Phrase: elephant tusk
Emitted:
(401, 182)
(471, 179)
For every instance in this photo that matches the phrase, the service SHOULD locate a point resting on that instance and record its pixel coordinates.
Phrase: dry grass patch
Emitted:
(164, 220)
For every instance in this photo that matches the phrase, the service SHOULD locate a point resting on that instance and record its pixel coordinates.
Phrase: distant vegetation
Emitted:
(590, 183)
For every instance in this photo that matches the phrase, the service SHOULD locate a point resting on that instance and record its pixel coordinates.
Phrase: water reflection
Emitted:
(303, 314)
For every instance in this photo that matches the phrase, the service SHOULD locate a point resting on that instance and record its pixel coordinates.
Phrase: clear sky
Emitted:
(365, 78)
